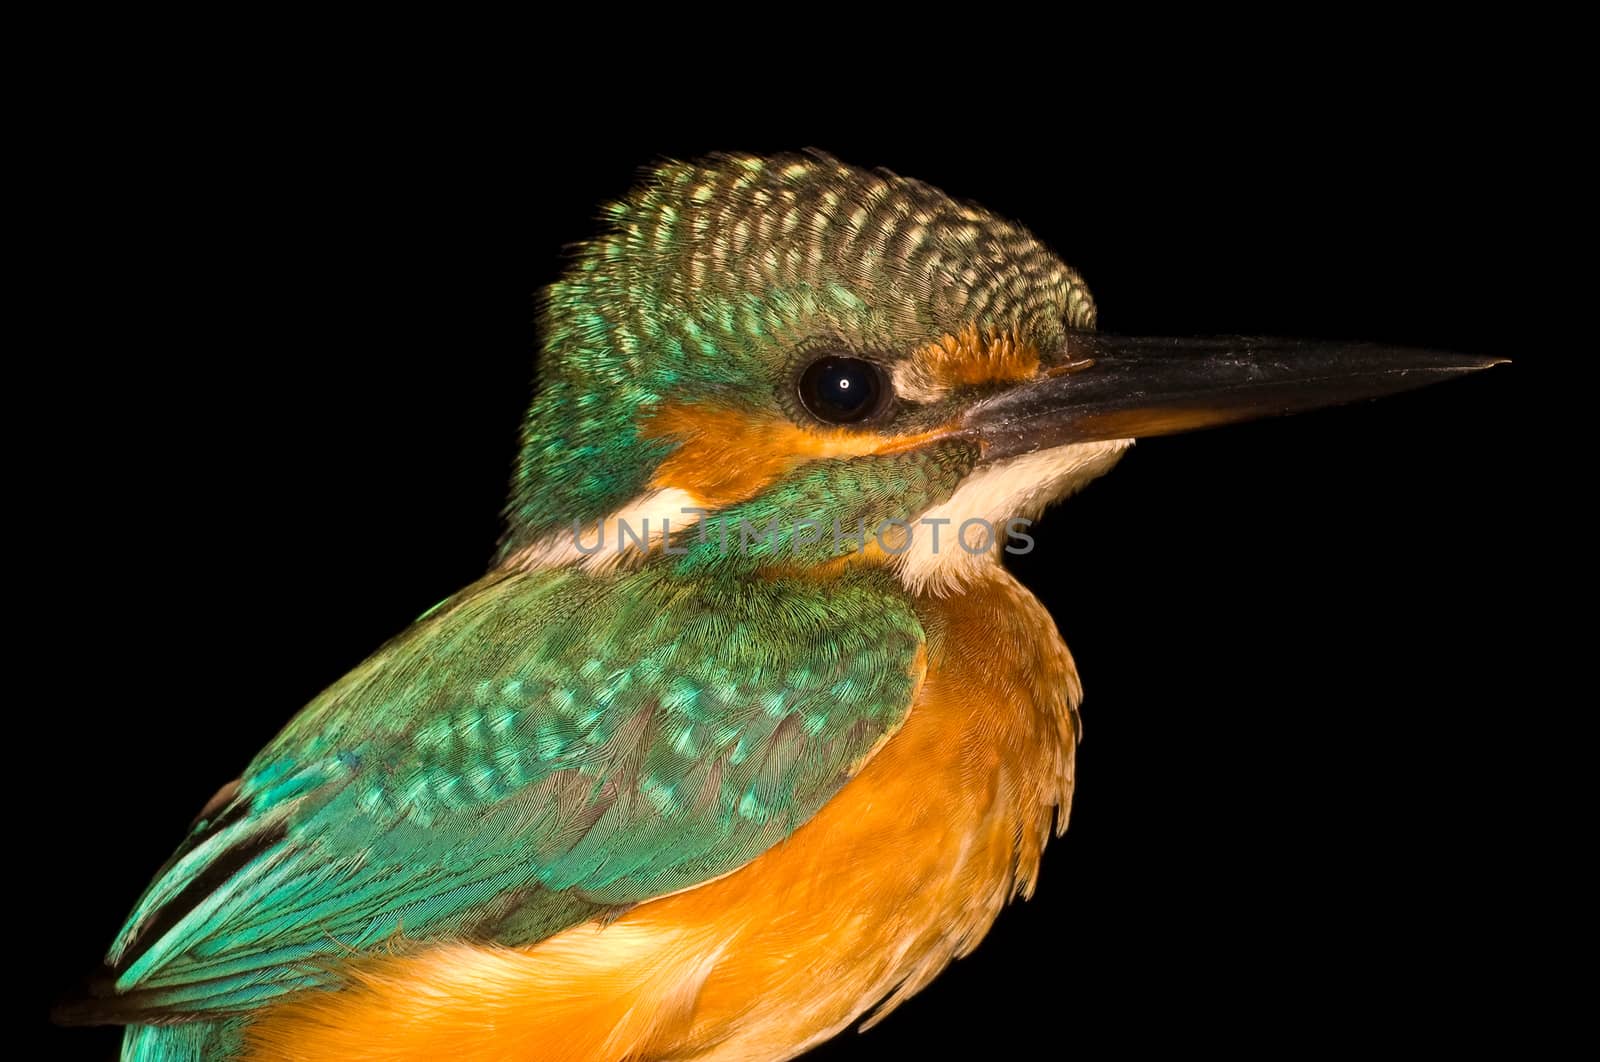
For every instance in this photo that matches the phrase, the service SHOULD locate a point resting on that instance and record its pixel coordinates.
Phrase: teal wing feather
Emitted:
(190, 1041)
(535, 752)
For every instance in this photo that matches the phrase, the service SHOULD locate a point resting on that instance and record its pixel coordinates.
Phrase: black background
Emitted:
(299, 336)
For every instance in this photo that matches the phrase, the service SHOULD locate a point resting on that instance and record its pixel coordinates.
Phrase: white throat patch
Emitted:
(621, 540)
(1020, 487)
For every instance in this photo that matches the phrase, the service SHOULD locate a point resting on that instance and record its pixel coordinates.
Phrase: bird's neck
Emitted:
(580, 461)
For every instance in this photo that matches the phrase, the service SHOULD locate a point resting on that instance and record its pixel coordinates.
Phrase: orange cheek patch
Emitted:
(963, 360)
(726, 456)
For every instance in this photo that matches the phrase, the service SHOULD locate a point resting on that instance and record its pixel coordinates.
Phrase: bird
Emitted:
(748, 732)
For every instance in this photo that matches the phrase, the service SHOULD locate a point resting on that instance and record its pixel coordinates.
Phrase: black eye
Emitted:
(843, 390)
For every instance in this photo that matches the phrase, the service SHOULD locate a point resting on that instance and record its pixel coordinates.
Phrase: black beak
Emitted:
(1122, 387)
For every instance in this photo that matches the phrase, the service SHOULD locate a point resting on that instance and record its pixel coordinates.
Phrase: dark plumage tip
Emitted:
(95, 1003)
(98, 1002)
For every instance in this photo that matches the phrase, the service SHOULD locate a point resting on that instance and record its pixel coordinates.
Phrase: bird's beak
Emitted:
(1120, 387)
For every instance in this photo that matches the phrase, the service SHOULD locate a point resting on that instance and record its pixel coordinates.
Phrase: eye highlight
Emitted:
(842, 390)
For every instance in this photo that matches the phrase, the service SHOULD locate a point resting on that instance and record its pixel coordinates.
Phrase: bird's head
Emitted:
(818, 365)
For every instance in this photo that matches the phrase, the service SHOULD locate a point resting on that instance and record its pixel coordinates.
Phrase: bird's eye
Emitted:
(842, 390)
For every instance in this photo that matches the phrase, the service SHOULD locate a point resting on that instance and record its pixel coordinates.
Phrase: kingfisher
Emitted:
(748, 733)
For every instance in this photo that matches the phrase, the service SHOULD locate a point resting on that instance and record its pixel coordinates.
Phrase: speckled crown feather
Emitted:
(690, 236)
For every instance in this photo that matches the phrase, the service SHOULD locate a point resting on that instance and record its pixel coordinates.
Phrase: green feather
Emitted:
(190, 1042)
(543, 748)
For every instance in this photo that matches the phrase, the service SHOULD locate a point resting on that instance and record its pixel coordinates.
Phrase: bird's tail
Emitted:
(195, 1041)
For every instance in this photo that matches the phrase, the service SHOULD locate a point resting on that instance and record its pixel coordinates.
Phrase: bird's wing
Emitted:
(535, 752)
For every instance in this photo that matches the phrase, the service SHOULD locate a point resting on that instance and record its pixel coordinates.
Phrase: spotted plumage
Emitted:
(614, 739)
